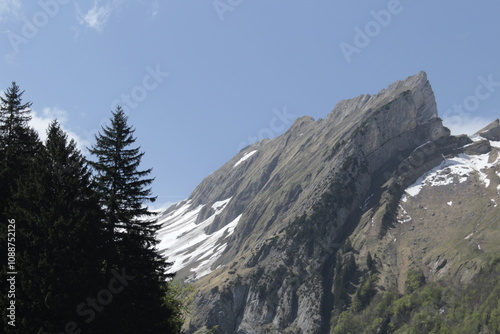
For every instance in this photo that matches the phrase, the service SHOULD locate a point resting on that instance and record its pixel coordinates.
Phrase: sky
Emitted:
(200, 80)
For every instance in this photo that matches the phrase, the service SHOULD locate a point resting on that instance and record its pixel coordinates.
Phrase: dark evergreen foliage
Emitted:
(19, 143)
(85, 244)
(17, 139)
(124, 191)
(59, 237)
(370, 264)
(123, 188)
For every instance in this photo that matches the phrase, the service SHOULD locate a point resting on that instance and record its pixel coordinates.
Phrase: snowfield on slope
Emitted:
(185, 243)
(452, 170)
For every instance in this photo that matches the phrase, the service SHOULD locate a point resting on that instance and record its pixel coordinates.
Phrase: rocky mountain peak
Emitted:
(417, 87)
(301, 122)
(260, 237)
(491, 131)
(422, 94)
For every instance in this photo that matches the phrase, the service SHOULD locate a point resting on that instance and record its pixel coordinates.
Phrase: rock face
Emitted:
(271, 238)
(492, 131)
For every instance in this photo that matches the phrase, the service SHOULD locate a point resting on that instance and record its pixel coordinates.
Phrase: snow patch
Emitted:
(404, 216)
(452, 170)
(450, 203)
(210, 251)
(220, 205)
(476, 138)
(245, 157)
(421, 146)
(469, 236)
(415, 188)
(495, 144)
(186, 243)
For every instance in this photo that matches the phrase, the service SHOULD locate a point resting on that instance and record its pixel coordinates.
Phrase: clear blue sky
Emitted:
(200, 79)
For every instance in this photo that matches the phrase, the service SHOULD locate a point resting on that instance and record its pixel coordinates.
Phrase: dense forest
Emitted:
(77, 233)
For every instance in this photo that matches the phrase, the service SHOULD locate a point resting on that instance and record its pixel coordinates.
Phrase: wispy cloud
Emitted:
(9, 9)
(465, 124)
(155, 8)
(40, 122)
(97, 16)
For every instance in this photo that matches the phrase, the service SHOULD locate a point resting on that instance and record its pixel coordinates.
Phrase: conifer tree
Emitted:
(59, 246)
(15, 134)
(18, 141)
(124, 190)
(19, 144)
(123, 187)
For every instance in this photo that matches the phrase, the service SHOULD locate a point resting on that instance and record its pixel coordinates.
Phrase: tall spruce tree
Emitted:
(124, 190)
(19, 145)
(60, 258)
(123, 187)
(19, 142)
(17, 139)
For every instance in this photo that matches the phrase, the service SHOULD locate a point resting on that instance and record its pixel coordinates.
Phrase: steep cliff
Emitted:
(274, 239)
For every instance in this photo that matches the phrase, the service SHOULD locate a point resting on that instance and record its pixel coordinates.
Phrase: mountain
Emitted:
(294, 232)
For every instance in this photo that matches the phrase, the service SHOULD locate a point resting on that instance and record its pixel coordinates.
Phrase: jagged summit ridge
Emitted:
(419, 87)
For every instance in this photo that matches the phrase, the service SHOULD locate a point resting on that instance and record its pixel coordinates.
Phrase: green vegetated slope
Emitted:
(441, 306)
(435, 268)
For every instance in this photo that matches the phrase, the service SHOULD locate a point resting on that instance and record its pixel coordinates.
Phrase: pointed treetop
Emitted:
(57, 142)
(12, 102)
(15, 133)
